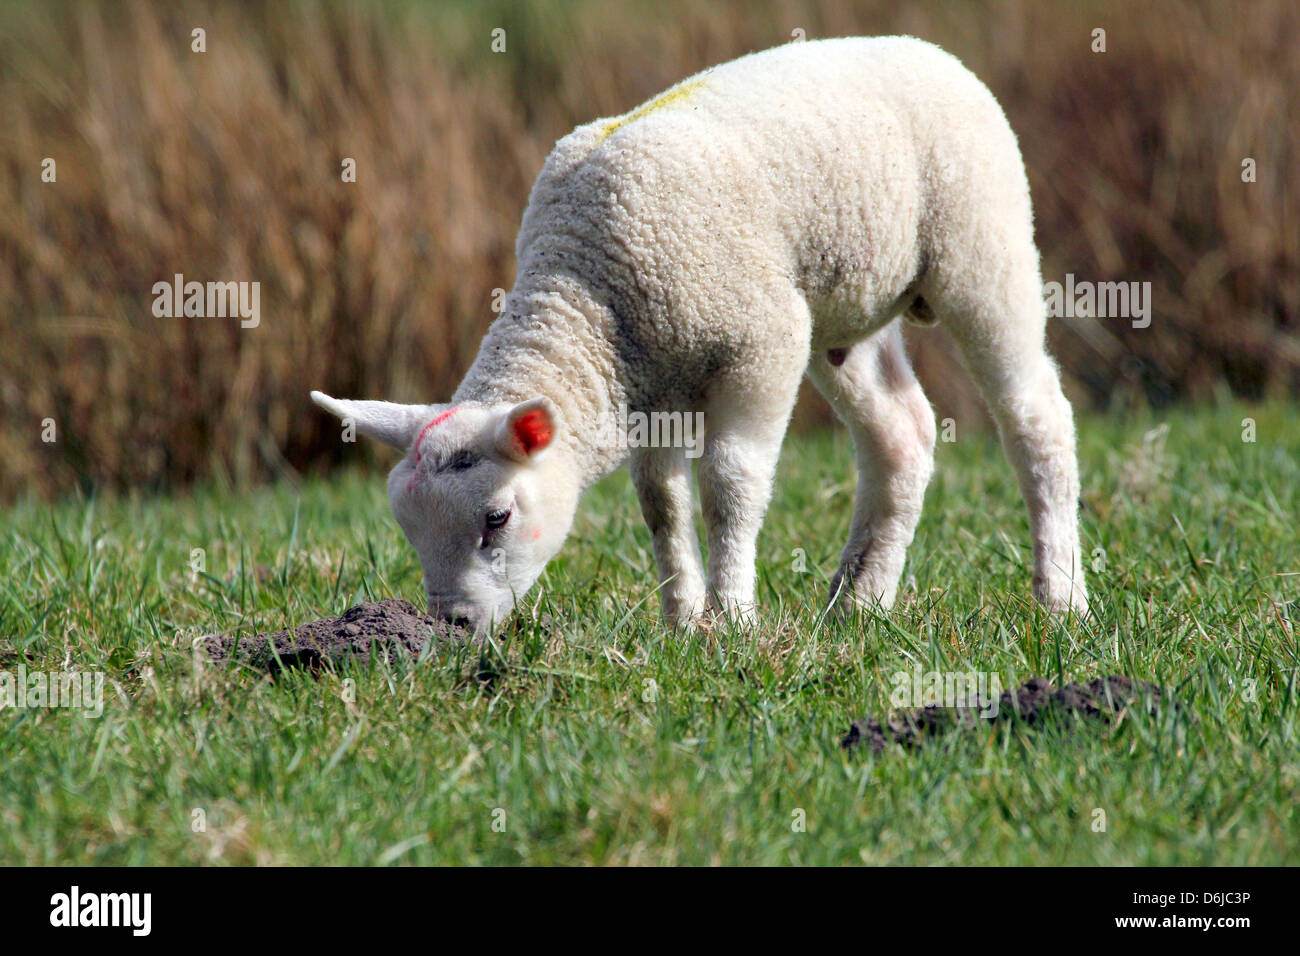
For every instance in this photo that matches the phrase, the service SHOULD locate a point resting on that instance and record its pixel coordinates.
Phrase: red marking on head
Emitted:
(537, 532)
(437, 420)
(533, 431)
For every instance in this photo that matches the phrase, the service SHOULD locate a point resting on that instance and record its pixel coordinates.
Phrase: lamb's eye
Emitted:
(497, 519)
(461, 462)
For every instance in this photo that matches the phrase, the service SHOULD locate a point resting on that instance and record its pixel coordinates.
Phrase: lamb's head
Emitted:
(478, 496)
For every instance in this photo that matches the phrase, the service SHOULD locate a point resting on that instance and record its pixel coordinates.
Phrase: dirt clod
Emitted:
(1030, 703)
(391, 628)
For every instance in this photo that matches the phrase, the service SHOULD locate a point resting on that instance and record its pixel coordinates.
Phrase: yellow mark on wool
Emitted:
(675, 95)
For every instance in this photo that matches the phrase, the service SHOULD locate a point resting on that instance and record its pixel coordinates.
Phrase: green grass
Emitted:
(593, 763)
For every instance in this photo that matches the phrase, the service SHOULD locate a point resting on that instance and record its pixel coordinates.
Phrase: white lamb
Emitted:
(771, 217)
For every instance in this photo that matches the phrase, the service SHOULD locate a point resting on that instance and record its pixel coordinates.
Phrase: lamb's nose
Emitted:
(453, 614)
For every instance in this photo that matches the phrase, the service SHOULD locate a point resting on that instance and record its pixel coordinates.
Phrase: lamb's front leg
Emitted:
(663, 484)
(736, 475)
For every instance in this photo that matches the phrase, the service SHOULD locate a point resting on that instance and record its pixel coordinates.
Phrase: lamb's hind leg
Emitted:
(875, 394)
(995, 313)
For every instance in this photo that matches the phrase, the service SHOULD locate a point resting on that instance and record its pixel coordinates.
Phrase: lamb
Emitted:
(775, 216)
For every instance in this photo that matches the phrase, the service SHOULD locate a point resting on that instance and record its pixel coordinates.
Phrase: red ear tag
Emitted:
(533, 430)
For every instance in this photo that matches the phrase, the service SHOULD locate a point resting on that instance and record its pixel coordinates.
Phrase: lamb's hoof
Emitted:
(1062, 602)
(684, 612)
(742, 617)
(856, 589)
(689, 622)
(845, 604)
(712, 618)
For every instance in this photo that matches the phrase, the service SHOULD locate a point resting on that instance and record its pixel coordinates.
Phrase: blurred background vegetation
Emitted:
(225, 165)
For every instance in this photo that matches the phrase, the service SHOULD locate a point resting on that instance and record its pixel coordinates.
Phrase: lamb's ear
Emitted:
(388, 422)
(526, 430)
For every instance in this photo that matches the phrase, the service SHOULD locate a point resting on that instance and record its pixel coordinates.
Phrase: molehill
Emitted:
(1032, 703)
(392, 628)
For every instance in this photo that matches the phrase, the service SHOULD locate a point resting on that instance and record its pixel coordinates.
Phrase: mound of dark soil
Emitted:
(391, 628)
(1032, 702)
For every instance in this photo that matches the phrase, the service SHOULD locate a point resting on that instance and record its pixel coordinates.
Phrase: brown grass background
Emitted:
(225, 165)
